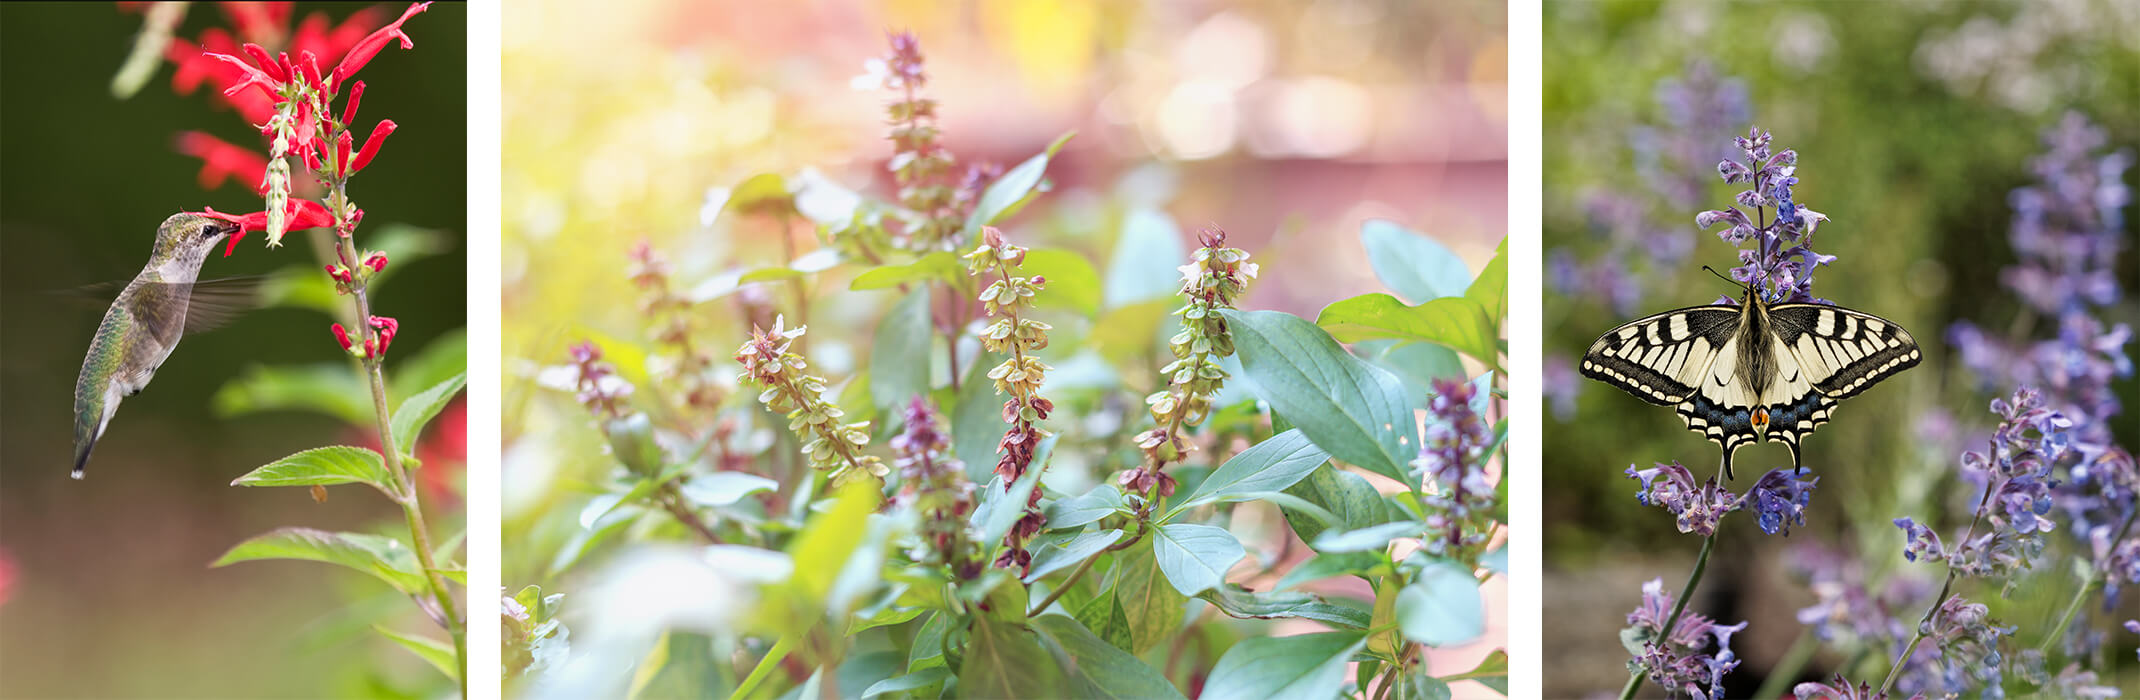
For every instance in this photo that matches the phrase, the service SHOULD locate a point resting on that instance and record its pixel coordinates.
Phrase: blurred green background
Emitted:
(105, 589)
(1912, 122)
(1288, 124)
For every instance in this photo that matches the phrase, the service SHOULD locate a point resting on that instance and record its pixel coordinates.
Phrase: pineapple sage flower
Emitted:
(1214, 277)
(1009, 298)
(832, 447)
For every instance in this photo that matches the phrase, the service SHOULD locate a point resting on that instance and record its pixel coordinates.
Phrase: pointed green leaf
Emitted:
(1492, 672)
(1341, 492)
(1099, 669)
(1322, 566)
(1000, 508)
(324, 466)
(417, 411)
(1103, 500)
(1005, 661)
(899, 357)
(1240, 602)
(327, 388)
(1072, 281)
(913, 681)
(1301, 666)
(1354, 410)
(1367, 539)
(1010, 192)
(1195, 557)
(1490, 290)
(1453, 322)
(1441, 606)
(977, 419)
(1271, 465)
(1412, 264)
(1050, 558)
(722, 488)
(939, 266)
(1415, 684)
(438, 654)
(383, 557)
(1150, 605)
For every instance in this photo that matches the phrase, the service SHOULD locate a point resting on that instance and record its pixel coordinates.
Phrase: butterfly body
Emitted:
(1753, 372)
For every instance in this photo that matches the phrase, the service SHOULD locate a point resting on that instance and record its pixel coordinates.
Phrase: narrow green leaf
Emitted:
(1322, 566)
(1010, 192)
(1354, 410)
(438, 654)
(1150, 604)
(1005, 661)
(1055, 557)
(1412, 264)
(977, 419)
(1490, 290)
(383, 557)
(939, 266)
(1146, 254)
(1415, 684)
(417, 411)
(1367, 539)
(1271, 465)
(1195, 557)
(724, 488)
(1091, 507)
(1341, 492)
(329, 389)
(1071, 278)
(1240, 602)
(1103, 615)
(899, 357)
(324, 466)
(1000, 509)
(1492, 672)
(913, 681)
(1442, 606)
(822, 549)
(1099, 669)
(1453, 322)
(1300, 666)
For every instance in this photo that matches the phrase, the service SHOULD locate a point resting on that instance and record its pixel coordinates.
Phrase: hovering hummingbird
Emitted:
(161, 304)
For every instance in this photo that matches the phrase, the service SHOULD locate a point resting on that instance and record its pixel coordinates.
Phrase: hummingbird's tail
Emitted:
(81, 457)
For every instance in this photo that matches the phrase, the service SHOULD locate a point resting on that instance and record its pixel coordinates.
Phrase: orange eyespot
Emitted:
(1760, 417)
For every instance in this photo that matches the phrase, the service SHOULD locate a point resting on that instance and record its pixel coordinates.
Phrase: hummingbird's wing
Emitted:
(211, 304)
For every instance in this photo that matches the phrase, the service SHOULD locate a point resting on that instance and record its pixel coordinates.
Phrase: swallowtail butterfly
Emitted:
(1743, 374)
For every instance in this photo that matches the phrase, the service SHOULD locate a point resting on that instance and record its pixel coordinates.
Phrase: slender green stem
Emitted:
(2094, 580)
(1701, 564)
(1082, 567)
(765, 667)
(1925, 623)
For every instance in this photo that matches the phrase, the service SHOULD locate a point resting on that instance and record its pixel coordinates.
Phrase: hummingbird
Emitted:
(163, 303)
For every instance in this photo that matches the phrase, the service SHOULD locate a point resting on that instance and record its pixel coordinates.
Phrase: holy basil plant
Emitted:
(948, 486)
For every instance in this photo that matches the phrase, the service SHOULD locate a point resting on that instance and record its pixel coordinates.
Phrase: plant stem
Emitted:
(1701, 563)
(672, 500)
(1082, 567)
(1894, 670)
(765, 667)
(2095, 578)
(411, 504)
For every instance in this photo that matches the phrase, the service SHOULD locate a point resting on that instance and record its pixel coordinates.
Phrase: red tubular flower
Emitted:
(258, 21)
(253, 75)
(385, 328)
(371, 146)
(376, 261)
(220, 159)
(299, 213)
(267, 63)
(341, 152)
(341, 335)
(370, 46)
(349, 111)
(341, 274)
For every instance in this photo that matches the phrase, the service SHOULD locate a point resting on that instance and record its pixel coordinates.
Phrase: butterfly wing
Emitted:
(1827, 354)
(1663, 358)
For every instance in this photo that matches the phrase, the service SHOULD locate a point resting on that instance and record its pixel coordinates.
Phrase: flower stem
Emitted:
(1701, 563)
(2095, 579)
(411, 504)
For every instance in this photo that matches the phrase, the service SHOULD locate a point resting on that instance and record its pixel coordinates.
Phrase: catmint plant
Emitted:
(304, 99)
(960, 521)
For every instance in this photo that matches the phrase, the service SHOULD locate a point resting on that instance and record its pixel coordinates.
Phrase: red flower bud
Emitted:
(341, 335)
(376, 261)
(349, 111)
(340, 274)
(385, 328)
(341, 152)
(371, 146)
(266, 62)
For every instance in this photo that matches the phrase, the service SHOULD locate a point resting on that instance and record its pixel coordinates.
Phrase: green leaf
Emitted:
(977, 419)
(439, 654)
(1096, 504)
(1127, 335)
(1452, 322)
(1418, 364)
(413, 372)
(724, 488)
(1005, 661)
(940, 266)
(1103, 615)
(1145, 257)
(1010, 192)
(1367, 539)
(1354, 410)
(913, 681)
(1271, 465)
(1324, 566)
(330, 389)
(1492, 672)
(383, 557)
(822, 548)
(1300, 666)
(1071, 278)
(999, 508)
(325, 466)
(1490, 290)
(1442, 606)
(1496, 560)
(417, 411)
(1415, 684)
(1240, 602)
(1195, 557)
(1054, 557)
(1100, 669)
(1412, 264)
(1151, 606)
(760, 192)
(1342, 492)
(899, 357)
